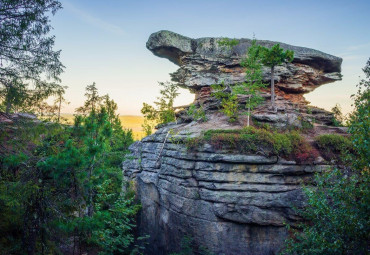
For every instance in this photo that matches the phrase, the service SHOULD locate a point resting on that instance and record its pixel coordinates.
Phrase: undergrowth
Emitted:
(289, 145)
(333, 147)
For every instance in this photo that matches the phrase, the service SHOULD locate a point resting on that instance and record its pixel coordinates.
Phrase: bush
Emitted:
(336, 218)
(258, 141)
(337, 213)
(197, 113)
(229, 102)
(333, 146)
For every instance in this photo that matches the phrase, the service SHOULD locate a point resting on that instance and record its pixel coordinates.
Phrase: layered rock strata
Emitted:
(203, 63)
(227, 202)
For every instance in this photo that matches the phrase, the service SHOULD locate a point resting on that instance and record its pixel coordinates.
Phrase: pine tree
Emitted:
(272, 58)
(253, 78)
(163, 110)
(26, 52)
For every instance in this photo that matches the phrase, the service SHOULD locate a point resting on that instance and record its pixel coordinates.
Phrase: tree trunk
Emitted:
(273, 90)
(249, 109)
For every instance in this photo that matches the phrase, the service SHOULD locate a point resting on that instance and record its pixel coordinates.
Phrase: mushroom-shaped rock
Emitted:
(204, 62)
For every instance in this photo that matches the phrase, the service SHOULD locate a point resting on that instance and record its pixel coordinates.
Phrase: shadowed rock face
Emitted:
(203, 63)
(227, 202)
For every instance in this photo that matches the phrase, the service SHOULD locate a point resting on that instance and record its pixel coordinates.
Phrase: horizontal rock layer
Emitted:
(203, 63)
(228, 203)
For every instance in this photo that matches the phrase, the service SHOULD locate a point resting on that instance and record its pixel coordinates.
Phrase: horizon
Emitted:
(105, 43)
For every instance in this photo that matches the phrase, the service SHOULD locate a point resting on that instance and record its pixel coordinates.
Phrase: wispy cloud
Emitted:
(94, 21)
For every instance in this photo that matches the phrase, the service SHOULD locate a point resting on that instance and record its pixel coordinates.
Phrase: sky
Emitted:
(104, 41)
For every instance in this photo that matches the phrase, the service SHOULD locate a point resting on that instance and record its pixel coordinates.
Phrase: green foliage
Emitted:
(30, 68)
(338, 119)
(359, 122)
(228, 43)
(93, 100)
(257, 141)
(306, 125)
(274, 57)
(62, 185)
(163, 110)
(148, 127)
(337, 217)
(197, 113)
(253, 78)
(333, 146)
(116, 224)
(251, 87)
(230, 107)
(229, 102)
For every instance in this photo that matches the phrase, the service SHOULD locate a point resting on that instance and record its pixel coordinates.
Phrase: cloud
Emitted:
(94, 21)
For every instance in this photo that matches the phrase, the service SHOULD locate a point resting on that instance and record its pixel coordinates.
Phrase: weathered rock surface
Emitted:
(203, 63)
(227, 202)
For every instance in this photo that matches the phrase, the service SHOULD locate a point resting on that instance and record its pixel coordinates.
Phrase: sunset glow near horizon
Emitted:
(104, 42)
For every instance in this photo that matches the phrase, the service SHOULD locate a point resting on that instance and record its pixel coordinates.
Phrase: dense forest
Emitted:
(61, 185)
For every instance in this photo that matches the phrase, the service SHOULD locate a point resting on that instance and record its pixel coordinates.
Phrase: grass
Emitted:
(128, 121)
(289, 145)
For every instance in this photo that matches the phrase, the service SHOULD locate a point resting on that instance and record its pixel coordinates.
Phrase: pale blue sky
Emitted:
(104, 41)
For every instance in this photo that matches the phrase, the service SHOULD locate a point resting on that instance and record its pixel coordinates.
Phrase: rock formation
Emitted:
(227, 202)
(203, 63)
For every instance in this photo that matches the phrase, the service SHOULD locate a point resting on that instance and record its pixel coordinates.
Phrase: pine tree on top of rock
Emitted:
(274, 57)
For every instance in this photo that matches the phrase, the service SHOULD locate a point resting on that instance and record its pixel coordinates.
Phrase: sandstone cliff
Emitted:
(227, 201)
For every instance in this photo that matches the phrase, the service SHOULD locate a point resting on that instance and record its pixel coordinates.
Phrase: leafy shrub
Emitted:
(306, 125)
(336, 218)
(197, 113)
(333, 146)
(229, 102)
(337, 214)
(338, 118)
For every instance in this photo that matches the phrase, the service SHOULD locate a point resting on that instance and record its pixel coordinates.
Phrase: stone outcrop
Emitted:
(203, 63)
(227, 202)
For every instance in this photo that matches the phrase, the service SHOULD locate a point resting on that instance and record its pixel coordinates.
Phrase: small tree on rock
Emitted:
(163, 111)
(274, 57)
(253, 78)
(250, 87)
